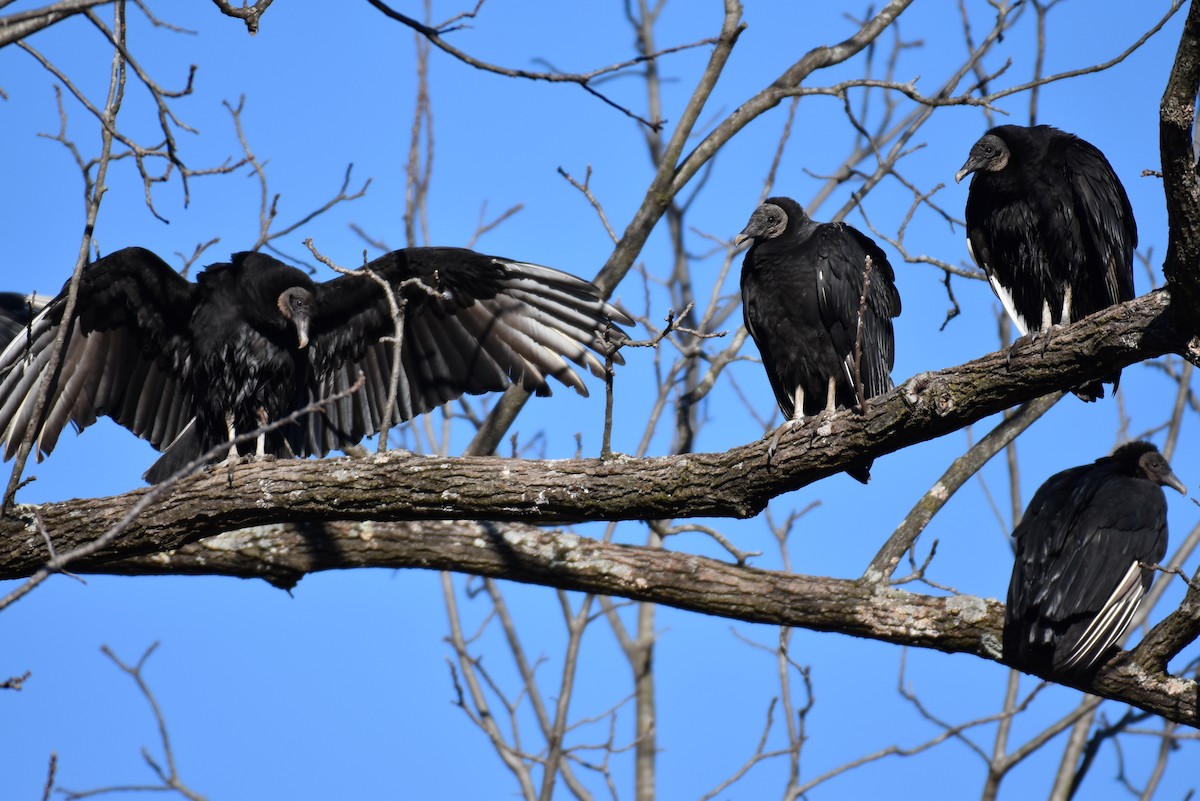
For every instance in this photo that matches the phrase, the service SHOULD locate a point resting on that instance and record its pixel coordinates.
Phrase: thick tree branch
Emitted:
(736, 483)
(1180, 182)
(956, 624)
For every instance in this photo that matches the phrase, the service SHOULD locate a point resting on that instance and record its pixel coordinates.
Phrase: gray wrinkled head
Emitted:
(767, 222)
(296, 305)
(990, 154)
(1155, 467)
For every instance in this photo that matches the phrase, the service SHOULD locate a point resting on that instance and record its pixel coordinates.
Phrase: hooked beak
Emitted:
(1171, 480)
(301, 332)
(753, 229)
(971, 166)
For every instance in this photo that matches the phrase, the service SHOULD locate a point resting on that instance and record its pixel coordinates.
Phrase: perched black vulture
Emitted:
(1078, 579)
(1049, 222)
(802, 287)
(188, 365)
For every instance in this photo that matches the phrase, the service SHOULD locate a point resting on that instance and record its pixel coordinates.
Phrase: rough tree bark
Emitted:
(305, 506)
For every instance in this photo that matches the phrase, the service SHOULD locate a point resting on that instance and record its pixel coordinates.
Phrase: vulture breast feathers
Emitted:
(188, 365)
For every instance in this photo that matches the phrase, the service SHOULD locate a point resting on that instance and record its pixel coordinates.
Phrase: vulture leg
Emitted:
(831, 396)
(260, 450)
(787, 425)
(232, 432)
(1047, 319)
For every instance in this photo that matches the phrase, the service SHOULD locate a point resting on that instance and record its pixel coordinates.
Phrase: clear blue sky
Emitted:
(341, 689)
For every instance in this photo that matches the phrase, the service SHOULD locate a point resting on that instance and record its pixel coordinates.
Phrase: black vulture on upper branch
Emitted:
(188, 366)
(1049, 222)
(1078, 576)
(802, 291)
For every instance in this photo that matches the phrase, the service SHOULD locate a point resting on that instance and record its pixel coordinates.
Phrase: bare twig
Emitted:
(169, 776)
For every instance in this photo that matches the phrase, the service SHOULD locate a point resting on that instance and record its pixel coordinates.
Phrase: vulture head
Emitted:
(296, 305)
(1151, 465)
(767, 222)
(990, 154)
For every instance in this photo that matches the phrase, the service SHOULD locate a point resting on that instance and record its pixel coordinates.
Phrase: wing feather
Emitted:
(476, 323)
(131, 325)
(1108, 626)
(1107, 226)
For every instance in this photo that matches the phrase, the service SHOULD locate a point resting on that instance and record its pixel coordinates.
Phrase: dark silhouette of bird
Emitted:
(1049, 222)
(1081, 545)
(16, 312)
(802, 291)
(188, 366)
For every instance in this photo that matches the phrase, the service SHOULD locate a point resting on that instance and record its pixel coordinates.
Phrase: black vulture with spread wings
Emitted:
(189, 366)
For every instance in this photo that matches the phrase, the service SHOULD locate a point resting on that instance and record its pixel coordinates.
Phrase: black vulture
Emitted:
(802, 288)
(1049, 222)
(1078, 576)
(187, 366)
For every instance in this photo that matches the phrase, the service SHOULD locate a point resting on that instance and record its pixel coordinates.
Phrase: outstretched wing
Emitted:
(125, 356)
(472, 324)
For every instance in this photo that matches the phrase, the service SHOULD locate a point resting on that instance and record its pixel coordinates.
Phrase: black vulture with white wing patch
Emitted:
(802, 288)
(1078, 577)
(188, 366)
(1049, 222)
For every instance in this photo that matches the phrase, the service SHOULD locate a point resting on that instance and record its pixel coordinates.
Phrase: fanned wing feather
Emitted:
(476, 323)
(131, 324)
(473, 324)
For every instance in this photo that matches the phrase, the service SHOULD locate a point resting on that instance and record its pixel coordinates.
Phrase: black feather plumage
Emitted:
(1049, 222)
(181, 364)
(802, 286)
(1077, 581)
(16, 312)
